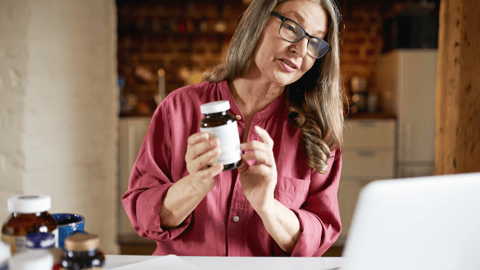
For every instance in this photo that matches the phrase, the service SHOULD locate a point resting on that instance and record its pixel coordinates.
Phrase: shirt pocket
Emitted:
(291, 192)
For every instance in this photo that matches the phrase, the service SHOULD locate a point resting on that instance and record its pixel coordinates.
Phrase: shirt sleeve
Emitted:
(150, 181)
(319, 216)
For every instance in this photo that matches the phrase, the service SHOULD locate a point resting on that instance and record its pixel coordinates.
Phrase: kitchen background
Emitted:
(163, 46)
(79, 79)
(180, 40)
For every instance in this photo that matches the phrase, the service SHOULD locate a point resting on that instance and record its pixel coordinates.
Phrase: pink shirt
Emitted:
(224, 223)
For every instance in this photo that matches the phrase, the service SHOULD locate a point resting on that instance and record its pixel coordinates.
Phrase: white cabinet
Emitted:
(131, 134)
(368, 154)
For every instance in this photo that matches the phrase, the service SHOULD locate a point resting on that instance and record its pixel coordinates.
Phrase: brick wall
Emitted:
(149, 36)
(361, 42)
(179, 38)
(59, 108)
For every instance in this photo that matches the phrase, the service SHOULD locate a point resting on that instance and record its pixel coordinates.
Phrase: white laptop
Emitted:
(424, 223)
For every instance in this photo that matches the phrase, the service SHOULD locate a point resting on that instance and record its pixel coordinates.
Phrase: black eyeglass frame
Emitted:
(305, 34)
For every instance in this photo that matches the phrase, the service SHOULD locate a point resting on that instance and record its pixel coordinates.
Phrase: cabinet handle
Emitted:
(366, 153)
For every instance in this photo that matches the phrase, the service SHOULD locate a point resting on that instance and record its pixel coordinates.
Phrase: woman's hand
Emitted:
(203, 149)
(259, 180)
(183, 196)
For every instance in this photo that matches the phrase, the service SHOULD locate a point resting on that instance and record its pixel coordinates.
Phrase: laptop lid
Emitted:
(423, 223)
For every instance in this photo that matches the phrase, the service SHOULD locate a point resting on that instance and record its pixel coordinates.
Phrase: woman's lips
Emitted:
(288, 65)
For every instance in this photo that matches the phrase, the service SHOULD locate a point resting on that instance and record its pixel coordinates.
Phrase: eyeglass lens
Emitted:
(292, 32)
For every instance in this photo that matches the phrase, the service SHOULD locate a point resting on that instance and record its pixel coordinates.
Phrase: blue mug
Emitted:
(68, 224)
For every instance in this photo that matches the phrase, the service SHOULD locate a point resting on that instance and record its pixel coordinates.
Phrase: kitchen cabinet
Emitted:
(368, 154)
(407, 79)
(132, 131)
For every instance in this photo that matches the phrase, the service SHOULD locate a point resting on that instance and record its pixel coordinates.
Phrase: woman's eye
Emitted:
(290, 27)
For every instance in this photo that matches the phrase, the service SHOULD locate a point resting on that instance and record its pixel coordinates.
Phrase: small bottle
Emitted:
(45, 241)
(29, 215)
(81, 252)
(221, 124)
(32, 260)
(4, 256)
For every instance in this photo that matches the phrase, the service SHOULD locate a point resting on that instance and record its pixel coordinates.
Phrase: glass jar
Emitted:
(222, 125)
(81, 252)
(4, 256)
(29, 215)
(45, 241)
(32, 260)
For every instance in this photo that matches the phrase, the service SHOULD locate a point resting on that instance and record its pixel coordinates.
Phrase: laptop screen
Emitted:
(430, 222)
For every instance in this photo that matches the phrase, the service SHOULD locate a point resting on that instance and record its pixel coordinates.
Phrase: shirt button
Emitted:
(238, 117)
(236, 218)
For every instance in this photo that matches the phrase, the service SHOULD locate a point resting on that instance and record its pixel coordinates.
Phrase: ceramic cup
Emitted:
(68, 224)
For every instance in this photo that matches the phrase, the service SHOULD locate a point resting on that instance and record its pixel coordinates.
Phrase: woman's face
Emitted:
(279, 61)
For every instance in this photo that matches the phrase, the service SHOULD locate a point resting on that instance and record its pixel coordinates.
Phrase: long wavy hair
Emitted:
(315, 102)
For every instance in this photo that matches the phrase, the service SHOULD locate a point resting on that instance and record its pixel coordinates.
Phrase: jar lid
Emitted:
(215, 107)
(32, 259)
(82, 242)
(4, 252)
(29, 204)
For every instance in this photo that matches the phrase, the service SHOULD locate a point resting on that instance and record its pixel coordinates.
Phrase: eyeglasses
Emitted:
(293, 32)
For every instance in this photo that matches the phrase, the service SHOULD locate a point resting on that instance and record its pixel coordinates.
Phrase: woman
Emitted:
(282, 82)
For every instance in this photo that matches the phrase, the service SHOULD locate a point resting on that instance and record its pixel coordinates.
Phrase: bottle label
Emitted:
(17, 243)
(230, 142)
(55, 234)
(40, 240)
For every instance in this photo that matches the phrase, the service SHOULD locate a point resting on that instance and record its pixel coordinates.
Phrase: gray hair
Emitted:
(315, 101)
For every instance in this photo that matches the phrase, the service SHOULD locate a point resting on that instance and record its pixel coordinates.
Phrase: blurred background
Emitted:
(80, 80)
(182, 39)
(165, 45)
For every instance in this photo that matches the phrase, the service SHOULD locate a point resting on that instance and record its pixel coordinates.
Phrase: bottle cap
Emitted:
(29, 204)
(215, 107)
(4, 252)
(82, 242)
(40, 240)
(32, 259)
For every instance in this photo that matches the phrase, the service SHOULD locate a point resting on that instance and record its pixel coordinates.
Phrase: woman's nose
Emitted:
(300, 47)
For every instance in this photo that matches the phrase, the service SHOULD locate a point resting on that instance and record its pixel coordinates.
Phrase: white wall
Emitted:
(59, 108)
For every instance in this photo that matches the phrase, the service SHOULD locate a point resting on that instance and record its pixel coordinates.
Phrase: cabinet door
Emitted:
(132, 131)
(415, 171)
(368, 163)
(377, 134)
(349, 191)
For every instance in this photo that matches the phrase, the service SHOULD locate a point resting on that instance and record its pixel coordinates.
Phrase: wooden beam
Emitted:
(458, 88)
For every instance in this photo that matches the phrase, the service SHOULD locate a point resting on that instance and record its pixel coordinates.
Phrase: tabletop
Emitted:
(126, 262)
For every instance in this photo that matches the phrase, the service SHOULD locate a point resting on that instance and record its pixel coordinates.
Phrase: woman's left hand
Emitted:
(259, 180)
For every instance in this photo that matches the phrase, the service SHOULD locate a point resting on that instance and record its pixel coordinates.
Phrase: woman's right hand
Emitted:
(203, 149)
(183, 196)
